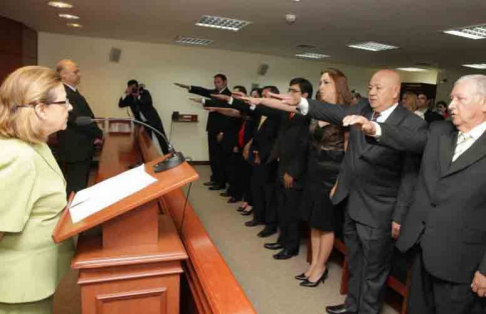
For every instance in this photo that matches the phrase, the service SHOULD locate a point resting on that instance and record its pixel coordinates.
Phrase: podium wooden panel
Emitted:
(135, 263)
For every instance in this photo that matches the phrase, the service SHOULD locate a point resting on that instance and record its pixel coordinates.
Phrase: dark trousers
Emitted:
(263, 191)
(162, 142)
(239, 175)
(288, 217)
(216, 159)
(431, 295)
(76, 175)
(369, 261)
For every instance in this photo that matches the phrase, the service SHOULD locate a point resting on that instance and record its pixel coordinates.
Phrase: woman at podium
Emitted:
(33, 105)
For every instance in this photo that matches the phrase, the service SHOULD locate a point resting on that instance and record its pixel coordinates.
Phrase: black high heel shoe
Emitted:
(310, 284)
(247, 212)
(242, 208)
(301, 277)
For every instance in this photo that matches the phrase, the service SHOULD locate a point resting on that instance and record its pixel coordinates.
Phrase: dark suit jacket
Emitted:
(431, 116)
(377, 181)
(291, 146)
(76, 142)
(145, 106)
(216, 121)
(448, 214)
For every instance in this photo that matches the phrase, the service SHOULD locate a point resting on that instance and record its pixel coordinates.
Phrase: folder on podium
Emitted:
(137, 259)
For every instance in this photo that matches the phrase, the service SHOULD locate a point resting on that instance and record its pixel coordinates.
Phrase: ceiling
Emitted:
(413, 25)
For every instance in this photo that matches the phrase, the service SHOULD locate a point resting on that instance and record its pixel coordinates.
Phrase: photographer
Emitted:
(140, 102)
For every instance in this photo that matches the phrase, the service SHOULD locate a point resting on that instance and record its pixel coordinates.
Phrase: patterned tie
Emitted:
(375, 116)
(463, 143)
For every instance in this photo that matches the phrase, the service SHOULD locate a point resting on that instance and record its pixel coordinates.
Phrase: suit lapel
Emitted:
(476, 152)
(446, 151)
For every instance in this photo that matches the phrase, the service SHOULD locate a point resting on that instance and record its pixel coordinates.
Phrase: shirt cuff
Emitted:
(303, 107)
(252, 107)
(203, 101)
(230, 101)
(378, 130)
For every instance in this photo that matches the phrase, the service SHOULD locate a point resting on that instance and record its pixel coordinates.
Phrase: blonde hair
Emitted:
(412, 101)
(27, 86)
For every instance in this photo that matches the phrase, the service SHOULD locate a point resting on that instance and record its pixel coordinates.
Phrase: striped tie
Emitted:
(463, 143)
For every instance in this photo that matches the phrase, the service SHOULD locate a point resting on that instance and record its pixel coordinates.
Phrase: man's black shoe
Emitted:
(273, 246)
(217, 187)
(285, 254)
(210, 183)
(267, 232)
(252, 223)
(233, 200)
(338, 309)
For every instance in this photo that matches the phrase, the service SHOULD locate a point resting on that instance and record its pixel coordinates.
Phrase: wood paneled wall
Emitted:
(18, 46)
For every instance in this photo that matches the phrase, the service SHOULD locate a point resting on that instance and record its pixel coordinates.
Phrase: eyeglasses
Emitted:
(65, 103)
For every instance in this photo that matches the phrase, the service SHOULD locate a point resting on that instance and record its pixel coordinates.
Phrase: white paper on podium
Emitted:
(93, 199)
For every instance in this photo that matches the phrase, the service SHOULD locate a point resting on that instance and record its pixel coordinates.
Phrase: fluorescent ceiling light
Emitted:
(481, 66)
(69, 16)
(473, 32)
(74, 25)
(192, 41)
(412, 69)
(372, 46)
(311, 55)
(60, 4)
(222, 23)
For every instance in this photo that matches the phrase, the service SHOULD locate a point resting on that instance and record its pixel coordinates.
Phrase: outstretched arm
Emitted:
(230, 112)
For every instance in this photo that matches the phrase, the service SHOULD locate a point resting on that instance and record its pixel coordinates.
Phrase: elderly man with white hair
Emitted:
(446, 224)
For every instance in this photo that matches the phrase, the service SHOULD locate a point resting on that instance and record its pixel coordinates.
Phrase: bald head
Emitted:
(384, 89)
(69, 72)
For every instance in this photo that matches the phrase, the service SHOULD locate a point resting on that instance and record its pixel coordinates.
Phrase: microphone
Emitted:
(175, 159)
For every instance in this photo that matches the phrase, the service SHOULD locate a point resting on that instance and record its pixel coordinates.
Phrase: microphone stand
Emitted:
(175, 158)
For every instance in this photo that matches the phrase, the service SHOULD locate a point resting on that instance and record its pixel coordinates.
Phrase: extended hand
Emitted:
(196, 99)
(183, 85)
(288, 181)
(225, 98)
(211, 109)
(366, 125)
(395, 232)
(479, 284)
(246, 150)
(249, 100)
(286, 99)
(257, 159)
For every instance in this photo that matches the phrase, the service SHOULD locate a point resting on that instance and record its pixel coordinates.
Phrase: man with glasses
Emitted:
(76, 143)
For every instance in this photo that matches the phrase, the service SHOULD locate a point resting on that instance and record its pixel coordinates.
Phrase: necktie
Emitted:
(464, 141)
(375, 116)
(291, 115)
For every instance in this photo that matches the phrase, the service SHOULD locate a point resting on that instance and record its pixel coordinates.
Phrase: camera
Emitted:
(138, 89)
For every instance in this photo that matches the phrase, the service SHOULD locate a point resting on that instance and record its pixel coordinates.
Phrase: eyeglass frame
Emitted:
(65, 103)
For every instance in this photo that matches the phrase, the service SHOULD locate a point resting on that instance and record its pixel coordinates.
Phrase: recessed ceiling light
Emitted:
(74, 25)
(372, 46)
(481, 66)
(412, 69)
(69, 16)
(192, 41)
(473, 32)
(311, 55)
(222, 23)
(60, 4)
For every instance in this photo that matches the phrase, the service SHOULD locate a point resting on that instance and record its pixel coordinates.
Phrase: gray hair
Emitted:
(478, 79)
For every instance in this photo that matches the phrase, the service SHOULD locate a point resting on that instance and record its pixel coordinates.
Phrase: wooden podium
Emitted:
(134, 266)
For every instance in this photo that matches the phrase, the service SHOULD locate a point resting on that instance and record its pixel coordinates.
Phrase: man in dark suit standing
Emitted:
(424, 107)
(140, 102)
(375, 184)
(446, 224)
(290, 150)
(76, 143)
(215, 129)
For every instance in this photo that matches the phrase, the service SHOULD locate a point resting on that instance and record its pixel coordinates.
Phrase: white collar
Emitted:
(71, 87)
(386, 113)
(221, 91)
(477, 131)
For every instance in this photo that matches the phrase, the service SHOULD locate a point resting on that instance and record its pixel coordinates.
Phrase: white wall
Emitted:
(158, 66)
